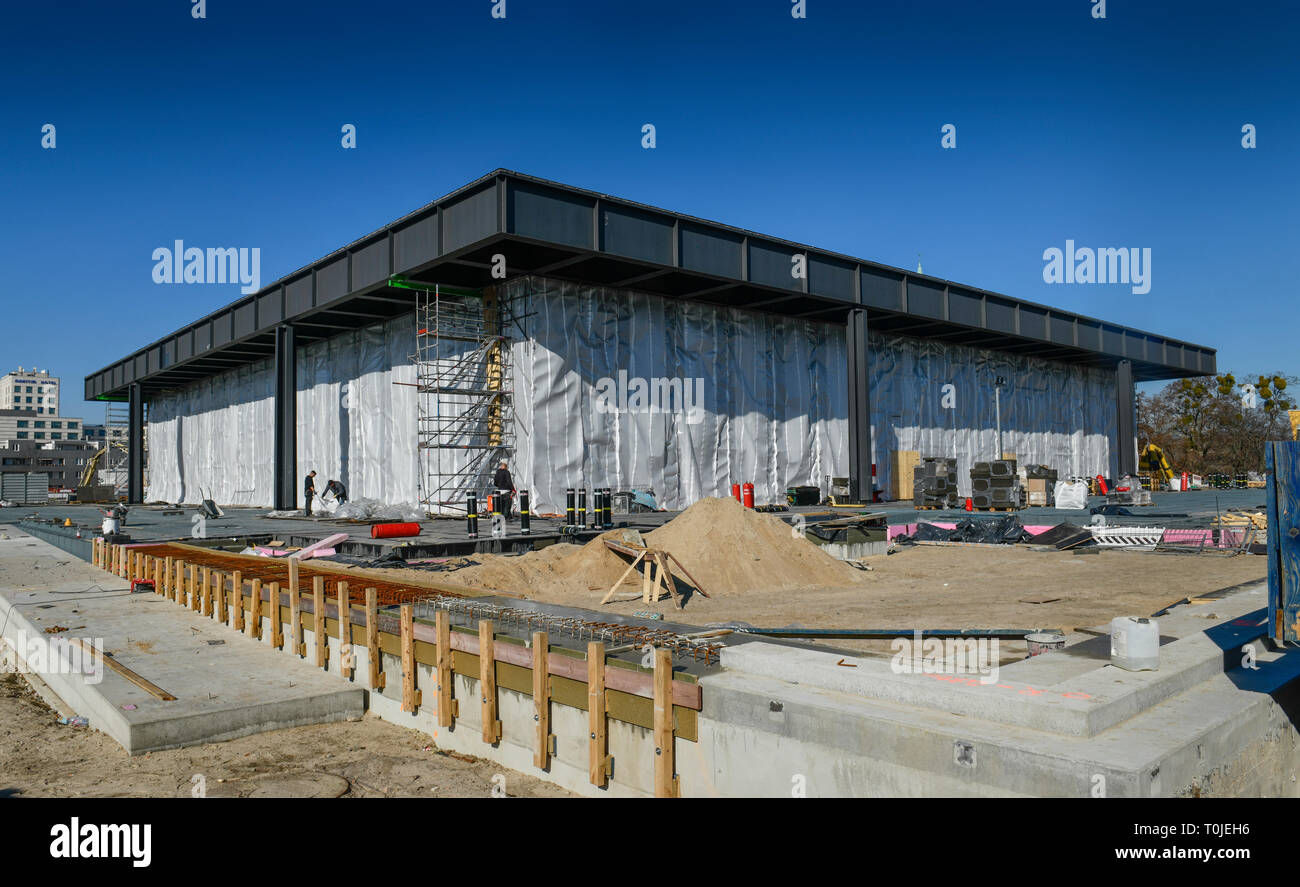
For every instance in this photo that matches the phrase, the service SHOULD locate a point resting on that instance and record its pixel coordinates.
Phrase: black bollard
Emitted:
(569, 496)
(471, 515)
(582, 508)
(523, 512)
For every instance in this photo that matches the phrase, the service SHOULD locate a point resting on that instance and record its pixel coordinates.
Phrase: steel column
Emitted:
(1126, 427)
(135, 445)
(860, 487)
(286, 418)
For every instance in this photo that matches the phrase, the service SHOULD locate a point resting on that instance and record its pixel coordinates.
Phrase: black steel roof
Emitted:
(550, 229)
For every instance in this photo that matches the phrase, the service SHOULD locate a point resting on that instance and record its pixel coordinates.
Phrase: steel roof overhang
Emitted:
(546, 228)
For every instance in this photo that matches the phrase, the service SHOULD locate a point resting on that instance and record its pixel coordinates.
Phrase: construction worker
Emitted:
(309, 489)
(337, 490)
(505, 490)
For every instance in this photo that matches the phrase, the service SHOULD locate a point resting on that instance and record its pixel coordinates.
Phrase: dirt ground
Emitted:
(757, 571)
(369, 758)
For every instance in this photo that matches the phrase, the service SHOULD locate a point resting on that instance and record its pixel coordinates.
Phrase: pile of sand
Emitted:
(728, 549)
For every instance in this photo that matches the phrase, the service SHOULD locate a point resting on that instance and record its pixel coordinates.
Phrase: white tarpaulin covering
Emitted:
(1052, 414)
(620, 389)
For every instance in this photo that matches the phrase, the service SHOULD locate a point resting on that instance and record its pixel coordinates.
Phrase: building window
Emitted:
(56, 424)
(39, 435)
(22, 435)
(22, 423)
(40, 424)
(55, 435)
(72, 424)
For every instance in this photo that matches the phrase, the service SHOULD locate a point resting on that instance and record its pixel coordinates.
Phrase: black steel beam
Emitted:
(860, 486)
(135, 446)
(286, 418)
(1126, 426)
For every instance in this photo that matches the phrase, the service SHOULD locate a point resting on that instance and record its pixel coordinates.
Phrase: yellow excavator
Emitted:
(1154, 461)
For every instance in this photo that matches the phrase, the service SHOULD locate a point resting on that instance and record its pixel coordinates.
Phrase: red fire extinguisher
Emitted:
(748, 492)
(735, 492)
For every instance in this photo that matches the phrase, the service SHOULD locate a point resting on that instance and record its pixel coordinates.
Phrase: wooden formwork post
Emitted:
(277, 627)
(373, 653)
(318, 619)
(205, 576)
(411, 697)
(345, 630)
(487, 681)
(598, 759)
(168, 574)
(237, 599)
(219, 580)
(255, 611)
(541, 699)
(193, 584)
(178, 582)
(448, 709)
(295, 607)
(295, 616)
(665, 778)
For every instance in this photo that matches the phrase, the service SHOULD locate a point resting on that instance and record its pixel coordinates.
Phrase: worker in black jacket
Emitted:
(337, 490)
(505, 490)
(309, 489)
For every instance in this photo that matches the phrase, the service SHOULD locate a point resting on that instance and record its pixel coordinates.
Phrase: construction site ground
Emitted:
(916, 587)
(39, 757)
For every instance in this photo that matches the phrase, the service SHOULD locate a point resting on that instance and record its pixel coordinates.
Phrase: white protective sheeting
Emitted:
(772, 408)
(1053, 414)
(216, 437)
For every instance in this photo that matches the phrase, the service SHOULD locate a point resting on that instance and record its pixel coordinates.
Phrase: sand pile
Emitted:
(731, 549)
(728, 549)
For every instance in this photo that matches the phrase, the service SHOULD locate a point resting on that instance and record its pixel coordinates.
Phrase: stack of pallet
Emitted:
(1040, 485)
(934, 483)
(995, 486)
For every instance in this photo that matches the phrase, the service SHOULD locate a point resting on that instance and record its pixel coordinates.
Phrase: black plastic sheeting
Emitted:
(999, 530)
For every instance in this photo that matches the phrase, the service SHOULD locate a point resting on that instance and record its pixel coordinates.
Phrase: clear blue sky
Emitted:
(1122, 132)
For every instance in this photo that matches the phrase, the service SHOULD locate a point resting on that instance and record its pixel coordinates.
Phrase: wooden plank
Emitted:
(295, 607)
(318, 621)
(273, 606)
(541, 700)
(345, 631)
(168, 574)
(255, 611)
(447, 707)
(195, 592)
(295, 619)
(1282, 495)
(178, 582)
(219, 580)
(133, 677)
(487, 677)
(206, 577)
(374, 654)
(237, 599)
(598, 757)
(410, 695)
(665, 779)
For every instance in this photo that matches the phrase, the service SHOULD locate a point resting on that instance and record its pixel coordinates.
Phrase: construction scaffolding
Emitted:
(463, 371)
(115, 459)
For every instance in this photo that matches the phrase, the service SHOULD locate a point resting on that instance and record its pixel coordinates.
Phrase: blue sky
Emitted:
(1122, 132)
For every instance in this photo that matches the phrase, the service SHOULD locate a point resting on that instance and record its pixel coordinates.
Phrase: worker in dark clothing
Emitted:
(309, 489)
(505, 490)
(337, 490)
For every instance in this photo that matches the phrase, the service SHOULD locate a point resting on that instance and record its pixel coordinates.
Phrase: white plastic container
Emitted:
(1134, 643)
(111, 526)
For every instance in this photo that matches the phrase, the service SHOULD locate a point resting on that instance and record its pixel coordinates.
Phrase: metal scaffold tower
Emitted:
(116, 455)
(462, 375)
